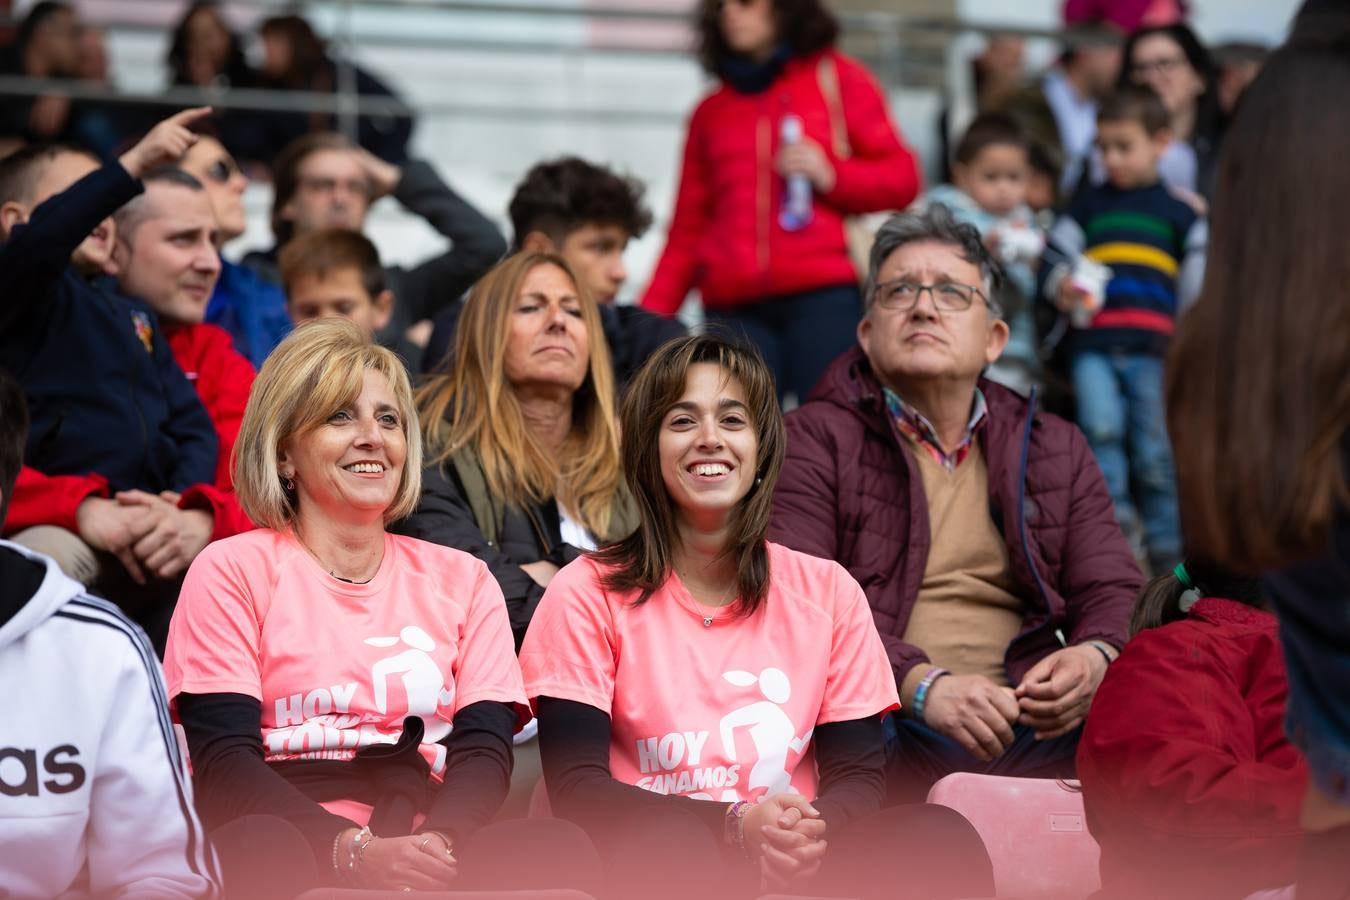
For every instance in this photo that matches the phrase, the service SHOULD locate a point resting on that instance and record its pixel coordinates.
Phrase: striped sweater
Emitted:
(1155, 246)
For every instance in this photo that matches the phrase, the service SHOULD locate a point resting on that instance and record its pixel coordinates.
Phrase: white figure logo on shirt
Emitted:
(771, 729)
(423, 682)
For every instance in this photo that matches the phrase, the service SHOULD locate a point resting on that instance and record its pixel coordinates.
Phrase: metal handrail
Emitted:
(885, 28)
(253, 99)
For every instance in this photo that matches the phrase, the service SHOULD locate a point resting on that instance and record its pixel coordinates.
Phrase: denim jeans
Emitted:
(799, 335)
(1120, 409)
(917, 757)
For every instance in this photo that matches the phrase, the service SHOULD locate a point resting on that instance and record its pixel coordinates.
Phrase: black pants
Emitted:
(921, 851)
(267, 858)
(149, 605)
(799, 335)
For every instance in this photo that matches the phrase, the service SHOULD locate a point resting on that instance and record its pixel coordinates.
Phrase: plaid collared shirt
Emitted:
(921, 432)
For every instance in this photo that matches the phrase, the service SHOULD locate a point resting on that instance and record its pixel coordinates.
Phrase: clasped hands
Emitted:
(1052, 700)
(147, 532)
(786, 834)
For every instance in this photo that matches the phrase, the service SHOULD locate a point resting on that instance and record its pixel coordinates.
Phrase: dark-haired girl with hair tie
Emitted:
(1191, 788)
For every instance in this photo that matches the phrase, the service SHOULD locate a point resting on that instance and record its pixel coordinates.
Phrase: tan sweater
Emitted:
(966, 614)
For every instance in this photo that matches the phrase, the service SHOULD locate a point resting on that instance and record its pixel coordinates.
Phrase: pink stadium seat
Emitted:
(1034, 829)
(346, 894)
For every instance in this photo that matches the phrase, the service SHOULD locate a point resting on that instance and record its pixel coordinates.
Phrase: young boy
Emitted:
(335, 272)
(1154, 244)
(991, 176)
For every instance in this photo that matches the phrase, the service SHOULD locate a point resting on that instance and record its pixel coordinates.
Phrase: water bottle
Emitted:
(796, 212)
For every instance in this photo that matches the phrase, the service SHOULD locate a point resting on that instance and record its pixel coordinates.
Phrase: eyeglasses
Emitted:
(1162, 66)
(948, 296)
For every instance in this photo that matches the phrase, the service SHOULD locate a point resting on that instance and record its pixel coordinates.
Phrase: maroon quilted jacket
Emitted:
(849, 492)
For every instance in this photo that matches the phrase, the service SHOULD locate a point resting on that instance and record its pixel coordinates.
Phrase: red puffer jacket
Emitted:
(850, 491)
(725, 238)
(1191, 788)
(222, 378)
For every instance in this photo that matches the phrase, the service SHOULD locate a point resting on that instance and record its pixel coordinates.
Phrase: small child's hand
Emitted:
(166, 142)
(1068, 297)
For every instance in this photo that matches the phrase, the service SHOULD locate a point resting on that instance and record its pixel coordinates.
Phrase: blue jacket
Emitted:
(104, 392)
(253, 311)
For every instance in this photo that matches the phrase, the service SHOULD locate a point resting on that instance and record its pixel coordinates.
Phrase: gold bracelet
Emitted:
(445, 839)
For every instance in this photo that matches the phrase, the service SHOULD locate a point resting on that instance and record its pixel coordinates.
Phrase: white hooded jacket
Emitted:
(95, 799)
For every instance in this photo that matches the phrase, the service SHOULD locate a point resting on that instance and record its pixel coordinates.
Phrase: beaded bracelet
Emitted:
(337, 842)
(921, 692)
(735, 823)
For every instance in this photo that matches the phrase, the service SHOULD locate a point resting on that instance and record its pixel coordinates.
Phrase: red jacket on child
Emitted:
(222, 378)
(1191, 788)
(725, 238)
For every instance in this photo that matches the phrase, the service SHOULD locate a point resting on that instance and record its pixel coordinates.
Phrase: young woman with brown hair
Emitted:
(709, 697)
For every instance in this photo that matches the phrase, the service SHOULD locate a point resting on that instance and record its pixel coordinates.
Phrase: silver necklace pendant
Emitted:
(707, 621)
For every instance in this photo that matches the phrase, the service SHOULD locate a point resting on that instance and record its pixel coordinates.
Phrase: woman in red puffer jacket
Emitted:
(790, 287)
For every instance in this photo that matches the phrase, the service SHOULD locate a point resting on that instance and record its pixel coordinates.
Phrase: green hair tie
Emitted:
(1183, 576)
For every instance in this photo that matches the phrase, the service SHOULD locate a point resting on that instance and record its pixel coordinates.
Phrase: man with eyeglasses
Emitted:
(979, 527)
(322, 180)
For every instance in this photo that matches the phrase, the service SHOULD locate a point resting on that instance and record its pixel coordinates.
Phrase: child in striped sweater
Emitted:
(1154, 244)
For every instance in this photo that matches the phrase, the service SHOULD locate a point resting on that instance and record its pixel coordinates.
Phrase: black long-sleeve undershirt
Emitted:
(574, 743)
(232, 778)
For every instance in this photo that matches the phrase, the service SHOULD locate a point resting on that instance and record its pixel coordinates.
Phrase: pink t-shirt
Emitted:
(338, 666)
(723, 711)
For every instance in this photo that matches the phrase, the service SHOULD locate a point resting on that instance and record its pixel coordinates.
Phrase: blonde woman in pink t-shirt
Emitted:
(710, 703)
(318, 664)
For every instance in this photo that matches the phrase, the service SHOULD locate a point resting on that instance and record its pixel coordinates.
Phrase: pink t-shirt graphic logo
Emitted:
(771, 729)
(423, 682)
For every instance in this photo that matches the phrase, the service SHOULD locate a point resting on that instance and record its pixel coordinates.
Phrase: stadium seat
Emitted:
(347, 894)
(1034, 829)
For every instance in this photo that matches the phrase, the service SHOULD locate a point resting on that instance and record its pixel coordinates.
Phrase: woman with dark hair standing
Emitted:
(1183, 759)
(1171, 60)
(204, 52)
(708, 697)
(794, 140)
(1259, 399)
